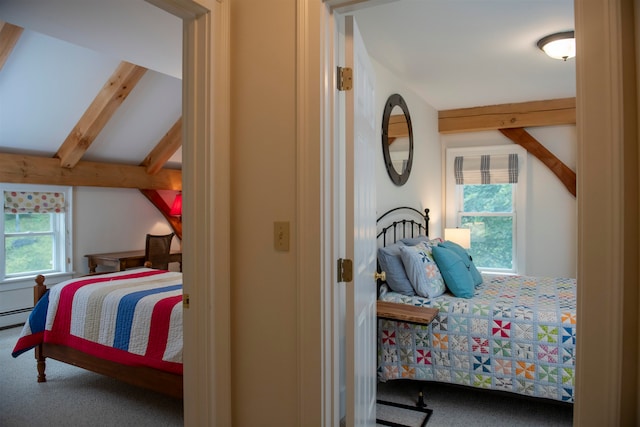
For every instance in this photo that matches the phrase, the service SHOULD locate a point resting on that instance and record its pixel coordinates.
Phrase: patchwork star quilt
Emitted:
(517, 334)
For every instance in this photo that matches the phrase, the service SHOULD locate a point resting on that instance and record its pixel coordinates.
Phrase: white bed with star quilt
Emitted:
(500, 332)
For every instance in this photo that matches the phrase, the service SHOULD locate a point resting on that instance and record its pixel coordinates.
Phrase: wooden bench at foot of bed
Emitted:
(141, 376)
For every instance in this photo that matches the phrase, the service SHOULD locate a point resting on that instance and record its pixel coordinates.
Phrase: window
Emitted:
(486, 193)
(36, 230)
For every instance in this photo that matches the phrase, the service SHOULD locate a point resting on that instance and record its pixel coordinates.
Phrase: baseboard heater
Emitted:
(12, 312)
(13, 318)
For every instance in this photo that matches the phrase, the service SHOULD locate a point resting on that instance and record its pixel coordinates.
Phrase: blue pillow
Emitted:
(412, 241)
(466, 258)
(456, 275)
(422, 270)
(391, 264)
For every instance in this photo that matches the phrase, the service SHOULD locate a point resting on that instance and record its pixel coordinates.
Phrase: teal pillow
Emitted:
(391, 264)
(466, 259)
(422, 270)
(455, 273)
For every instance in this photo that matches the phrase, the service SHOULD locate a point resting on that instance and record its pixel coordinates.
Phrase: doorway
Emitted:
(601, 192)
(205, 160)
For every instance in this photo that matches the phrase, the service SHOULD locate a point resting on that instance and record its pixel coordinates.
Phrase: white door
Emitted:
(361, 143)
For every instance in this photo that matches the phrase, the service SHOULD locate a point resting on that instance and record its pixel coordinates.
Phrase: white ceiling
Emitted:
(67, 52)
(468, 53)
(454, 53)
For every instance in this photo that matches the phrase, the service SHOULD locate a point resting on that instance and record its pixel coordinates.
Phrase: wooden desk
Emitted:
(405, 313)
(124, 260)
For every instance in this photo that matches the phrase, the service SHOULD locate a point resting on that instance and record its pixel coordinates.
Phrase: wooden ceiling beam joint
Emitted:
(23, 169)
(9, 36)
(166, 148)
(533, 146)
(504, 116)
(104, 105)
(156, 199)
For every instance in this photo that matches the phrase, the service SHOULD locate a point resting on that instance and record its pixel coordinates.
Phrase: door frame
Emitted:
(607, 194)
(206, 207)
(602, 395)
(320, 300)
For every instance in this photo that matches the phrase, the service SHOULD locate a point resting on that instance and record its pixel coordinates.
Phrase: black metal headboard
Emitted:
(403, 227)
(401, 222)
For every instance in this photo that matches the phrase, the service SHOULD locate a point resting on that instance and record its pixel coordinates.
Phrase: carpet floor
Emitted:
(75, 397)
(466, 407)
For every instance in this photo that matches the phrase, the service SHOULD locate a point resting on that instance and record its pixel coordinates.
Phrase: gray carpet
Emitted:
(75, 397)
(463, 406)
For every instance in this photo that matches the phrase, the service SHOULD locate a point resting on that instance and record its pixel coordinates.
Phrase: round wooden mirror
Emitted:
(397, 139)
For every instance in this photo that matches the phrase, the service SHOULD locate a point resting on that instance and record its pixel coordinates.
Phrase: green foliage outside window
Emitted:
(489, 209)
(488, 198)
(491, 241)
(29, 243)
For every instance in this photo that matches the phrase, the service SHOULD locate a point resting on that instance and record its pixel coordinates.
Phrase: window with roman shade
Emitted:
(33, 202)
(484, 188)
(37, 231)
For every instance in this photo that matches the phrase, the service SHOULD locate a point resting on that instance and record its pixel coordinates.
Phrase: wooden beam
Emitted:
(398, 126)
(166, 148)
(156, 199)
(105, 104)
(9, 35)
(15, 168)
(533, 146)
(526, 114)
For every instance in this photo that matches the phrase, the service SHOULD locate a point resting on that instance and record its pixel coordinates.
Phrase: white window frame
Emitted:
(63, 269)
(453, 199)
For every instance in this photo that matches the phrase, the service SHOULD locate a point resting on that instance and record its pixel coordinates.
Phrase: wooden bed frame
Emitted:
(141, 376)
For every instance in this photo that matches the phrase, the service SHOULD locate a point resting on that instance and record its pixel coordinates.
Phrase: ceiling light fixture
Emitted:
(559, 45)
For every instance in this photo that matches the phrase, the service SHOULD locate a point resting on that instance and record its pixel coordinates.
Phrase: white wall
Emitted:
(424, 187)
(113, 220)
(551, 245)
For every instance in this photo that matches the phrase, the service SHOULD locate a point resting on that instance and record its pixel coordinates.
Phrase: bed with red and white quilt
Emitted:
(126, 324)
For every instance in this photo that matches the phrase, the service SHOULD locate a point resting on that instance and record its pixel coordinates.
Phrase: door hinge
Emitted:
(185, 300)
(345, 78)
(345, 270)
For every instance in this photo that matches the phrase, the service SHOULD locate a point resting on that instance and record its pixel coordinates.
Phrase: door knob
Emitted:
(380, 276)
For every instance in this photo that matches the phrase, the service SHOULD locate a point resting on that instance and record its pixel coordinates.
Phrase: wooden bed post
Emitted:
(38, 291)
(41, 364)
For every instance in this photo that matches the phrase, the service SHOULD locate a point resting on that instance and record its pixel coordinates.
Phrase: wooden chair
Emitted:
(156, 251)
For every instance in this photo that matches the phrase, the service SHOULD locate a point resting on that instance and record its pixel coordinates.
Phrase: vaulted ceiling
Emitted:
(90, 91)
(71, 115)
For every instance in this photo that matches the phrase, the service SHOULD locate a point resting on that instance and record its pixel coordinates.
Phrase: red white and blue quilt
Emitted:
(517, 334)
(132, 317)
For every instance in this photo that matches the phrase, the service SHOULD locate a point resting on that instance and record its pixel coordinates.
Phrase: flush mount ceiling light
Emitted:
(559, 45)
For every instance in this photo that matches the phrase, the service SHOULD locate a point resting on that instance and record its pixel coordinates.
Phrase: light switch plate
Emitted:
(281, 235)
